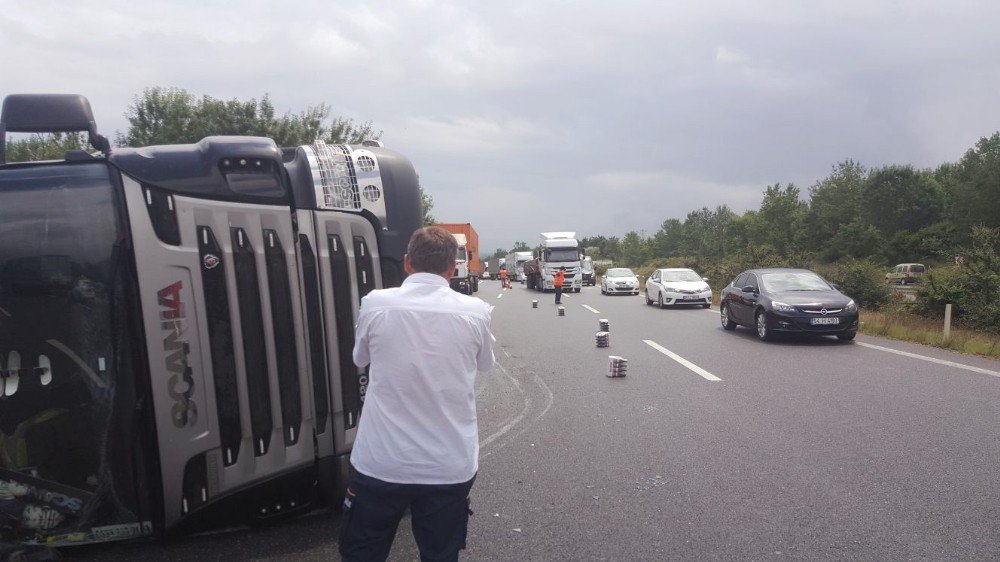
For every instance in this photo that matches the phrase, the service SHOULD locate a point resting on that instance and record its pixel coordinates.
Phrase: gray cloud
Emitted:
(524, 117)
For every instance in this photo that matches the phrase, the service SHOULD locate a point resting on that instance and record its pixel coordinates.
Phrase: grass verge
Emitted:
(902, 325)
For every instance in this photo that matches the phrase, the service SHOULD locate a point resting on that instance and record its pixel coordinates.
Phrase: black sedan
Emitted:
(787, 300)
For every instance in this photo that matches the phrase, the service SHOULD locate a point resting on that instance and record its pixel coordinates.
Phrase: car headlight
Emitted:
(851, 306)
(782, 307)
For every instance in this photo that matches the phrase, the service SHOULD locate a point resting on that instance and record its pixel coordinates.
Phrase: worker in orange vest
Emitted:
(504, 283)
(557, 282)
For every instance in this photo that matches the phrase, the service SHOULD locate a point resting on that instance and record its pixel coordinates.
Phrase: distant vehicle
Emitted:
(787, 300)
(587, 271)
(673, 286)
(558, 250)
(619, 280)
(468, 268)
(515, 265)
(905, 273)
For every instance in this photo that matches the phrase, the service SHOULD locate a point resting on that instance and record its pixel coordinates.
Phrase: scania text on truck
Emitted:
(558, 249)
(515, 267)
(468, 268)
(177, 322)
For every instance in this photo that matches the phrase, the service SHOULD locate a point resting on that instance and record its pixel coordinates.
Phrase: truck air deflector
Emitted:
(314, 321)
(350, 386)
(284, 337)
(195, 484)
(365, 269)
(220, 333)
(162, 213)
(254, 352)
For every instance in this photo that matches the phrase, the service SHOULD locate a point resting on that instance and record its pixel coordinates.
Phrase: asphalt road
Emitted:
(801, 449)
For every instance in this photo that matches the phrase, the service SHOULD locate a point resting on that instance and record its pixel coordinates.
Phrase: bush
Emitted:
(972, 288)
(862, 280)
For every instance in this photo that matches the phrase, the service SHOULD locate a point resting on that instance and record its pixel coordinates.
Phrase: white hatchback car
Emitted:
(677, 286)
(619, 280)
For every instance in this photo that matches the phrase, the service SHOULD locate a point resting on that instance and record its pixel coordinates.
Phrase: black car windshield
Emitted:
(678, 276)
(620, 272)
(793, 281)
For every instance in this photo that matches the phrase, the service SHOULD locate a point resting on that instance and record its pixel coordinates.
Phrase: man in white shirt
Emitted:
(417, 445)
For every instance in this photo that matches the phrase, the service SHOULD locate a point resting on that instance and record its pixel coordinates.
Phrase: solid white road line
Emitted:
(931, 359)
(591, 309)
(682, 361)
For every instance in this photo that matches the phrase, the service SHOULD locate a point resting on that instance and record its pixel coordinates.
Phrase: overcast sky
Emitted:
(522, 117)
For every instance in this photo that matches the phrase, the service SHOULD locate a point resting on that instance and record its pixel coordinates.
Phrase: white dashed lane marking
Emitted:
(500, 296)
(702, 372)
(931, 359)
(595, 311)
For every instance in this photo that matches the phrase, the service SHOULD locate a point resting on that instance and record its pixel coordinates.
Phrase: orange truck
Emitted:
(468, 268)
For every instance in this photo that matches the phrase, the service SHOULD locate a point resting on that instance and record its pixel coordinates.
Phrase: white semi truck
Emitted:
(558, 249)
(515, 265)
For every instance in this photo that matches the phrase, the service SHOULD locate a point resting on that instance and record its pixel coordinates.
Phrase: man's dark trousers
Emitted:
(558, 294)
(373, 508)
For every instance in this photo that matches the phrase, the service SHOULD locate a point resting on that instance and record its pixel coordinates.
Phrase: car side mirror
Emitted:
(748, 289)
(705, 279)
(835, 286)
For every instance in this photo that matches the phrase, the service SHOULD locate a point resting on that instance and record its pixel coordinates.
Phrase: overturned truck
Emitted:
(176, 325)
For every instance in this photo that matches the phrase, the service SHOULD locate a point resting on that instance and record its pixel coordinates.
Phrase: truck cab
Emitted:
(587, 276)
(558, 250)
(176, 325)
(462, 281)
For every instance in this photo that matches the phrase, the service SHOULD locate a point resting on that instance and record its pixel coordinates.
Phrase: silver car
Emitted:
(672, 286)
(618, 281)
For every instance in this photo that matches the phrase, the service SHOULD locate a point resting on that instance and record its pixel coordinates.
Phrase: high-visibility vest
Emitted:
(559, 279)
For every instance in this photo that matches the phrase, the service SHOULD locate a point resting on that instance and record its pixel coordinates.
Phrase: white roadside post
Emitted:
(947, 322)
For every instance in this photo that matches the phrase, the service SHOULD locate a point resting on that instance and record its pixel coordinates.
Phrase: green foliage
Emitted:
(973, 186)
(900, 198)
(45, 147)
(780, 220)
(973, 288)
(862, 280)
(834, 202)
(172, 116)
(608, 248)
(426, 204)
(854, 239)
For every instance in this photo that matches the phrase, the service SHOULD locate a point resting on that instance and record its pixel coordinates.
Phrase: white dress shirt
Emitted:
(425, 343)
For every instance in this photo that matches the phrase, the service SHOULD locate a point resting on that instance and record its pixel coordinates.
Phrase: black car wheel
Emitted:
(727, 322)
(659, 300)
(649, 301)
(846, 336)
(763, 332)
